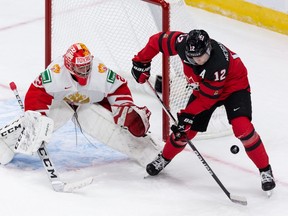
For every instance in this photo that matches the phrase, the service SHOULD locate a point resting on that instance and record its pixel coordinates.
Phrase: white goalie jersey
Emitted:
(116, 122)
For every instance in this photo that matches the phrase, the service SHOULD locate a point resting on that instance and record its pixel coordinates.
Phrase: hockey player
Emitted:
(219, 78)
(79, 86)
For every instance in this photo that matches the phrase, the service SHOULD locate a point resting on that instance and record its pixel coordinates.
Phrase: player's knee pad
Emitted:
(135, 118)
(244, 130)
(241, 126)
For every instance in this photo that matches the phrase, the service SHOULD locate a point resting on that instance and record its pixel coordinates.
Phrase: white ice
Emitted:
(185, 187)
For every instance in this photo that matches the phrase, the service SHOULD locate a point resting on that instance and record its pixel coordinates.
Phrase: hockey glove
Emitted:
(135, 118)
(185, 122)
(141, 71)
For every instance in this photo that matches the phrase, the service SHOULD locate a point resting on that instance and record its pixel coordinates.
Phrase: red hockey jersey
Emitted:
(223, 74)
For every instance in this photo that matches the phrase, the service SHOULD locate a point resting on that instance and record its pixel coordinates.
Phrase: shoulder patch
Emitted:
(46, 77)
(111, 76)
(56, 68)
(102, 68)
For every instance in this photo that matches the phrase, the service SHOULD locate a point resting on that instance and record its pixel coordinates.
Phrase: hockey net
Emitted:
(115, 30)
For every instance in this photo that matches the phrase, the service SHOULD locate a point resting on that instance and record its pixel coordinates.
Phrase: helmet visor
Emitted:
(200, 58)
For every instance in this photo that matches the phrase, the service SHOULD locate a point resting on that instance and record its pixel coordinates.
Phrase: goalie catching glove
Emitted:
(141, 71)
(135, 118)
(185, 122)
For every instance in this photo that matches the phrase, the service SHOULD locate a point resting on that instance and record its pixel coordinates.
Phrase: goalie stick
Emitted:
(236, 199)
(53, 175)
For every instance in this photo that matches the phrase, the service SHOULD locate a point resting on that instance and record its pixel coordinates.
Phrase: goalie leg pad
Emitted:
(10, 133)
(6, 154)
(8, 137)
(98, 122)
(61, 113)
(135, 118)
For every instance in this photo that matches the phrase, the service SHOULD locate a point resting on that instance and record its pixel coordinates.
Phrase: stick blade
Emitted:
(239, 200)
(72, 186)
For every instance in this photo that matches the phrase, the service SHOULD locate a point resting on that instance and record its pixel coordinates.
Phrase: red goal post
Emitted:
(115, 30)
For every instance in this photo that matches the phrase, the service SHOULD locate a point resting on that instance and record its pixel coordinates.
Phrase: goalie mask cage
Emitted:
(114, 31)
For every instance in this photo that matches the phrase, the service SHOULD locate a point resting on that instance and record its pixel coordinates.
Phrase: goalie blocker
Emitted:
(24, 135)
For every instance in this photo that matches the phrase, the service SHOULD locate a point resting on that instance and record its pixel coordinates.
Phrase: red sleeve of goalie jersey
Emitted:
(36, 98)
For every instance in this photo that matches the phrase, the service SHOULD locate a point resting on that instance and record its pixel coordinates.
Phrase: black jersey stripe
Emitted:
(212, 87)
(160, 41)
(169, 43)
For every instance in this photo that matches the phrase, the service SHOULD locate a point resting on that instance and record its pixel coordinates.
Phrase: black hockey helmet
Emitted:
(197, 43)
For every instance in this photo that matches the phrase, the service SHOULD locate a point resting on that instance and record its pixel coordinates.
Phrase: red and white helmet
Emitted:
(78, 60)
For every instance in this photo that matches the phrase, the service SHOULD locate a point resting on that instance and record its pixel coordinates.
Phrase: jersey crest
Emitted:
(77, 98)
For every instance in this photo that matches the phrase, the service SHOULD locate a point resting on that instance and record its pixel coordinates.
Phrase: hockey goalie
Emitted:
(80, 87)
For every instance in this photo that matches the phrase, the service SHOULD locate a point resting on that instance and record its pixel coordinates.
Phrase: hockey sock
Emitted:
(244, 130)
(257, 154)
(171, 148)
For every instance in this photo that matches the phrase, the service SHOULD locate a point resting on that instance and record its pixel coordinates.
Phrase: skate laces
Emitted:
(266, 176)
(159, 163)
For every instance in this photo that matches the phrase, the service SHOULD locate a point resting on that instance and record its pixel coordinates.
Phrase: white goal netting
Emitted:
(115, 30)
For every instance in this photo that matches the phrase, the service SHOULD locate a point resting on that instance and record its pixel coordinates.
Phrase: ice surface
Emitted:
(119, 187)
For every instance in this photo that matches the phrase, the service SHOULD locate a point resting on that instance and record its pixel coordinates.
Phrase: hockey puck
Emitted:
(234, 149)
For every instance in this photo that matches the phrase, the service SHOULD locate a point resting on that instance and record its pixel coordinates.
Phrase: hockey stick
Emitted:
(236, 199)
(53, 175)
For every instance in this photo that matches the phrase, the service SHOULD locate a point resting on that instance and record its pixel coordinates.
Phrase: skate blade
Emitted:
(269, 193)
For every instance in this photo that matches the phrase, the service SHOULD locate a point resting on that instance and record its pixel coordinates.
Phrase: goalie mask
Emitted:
(198, 47)
(78, 60)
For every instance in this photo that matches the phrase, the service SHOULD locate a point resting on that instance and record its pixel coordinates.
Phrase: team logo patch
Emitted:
(56, 68)
(102, 68)
(77, 98)
(46, 77)
(111, 76)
